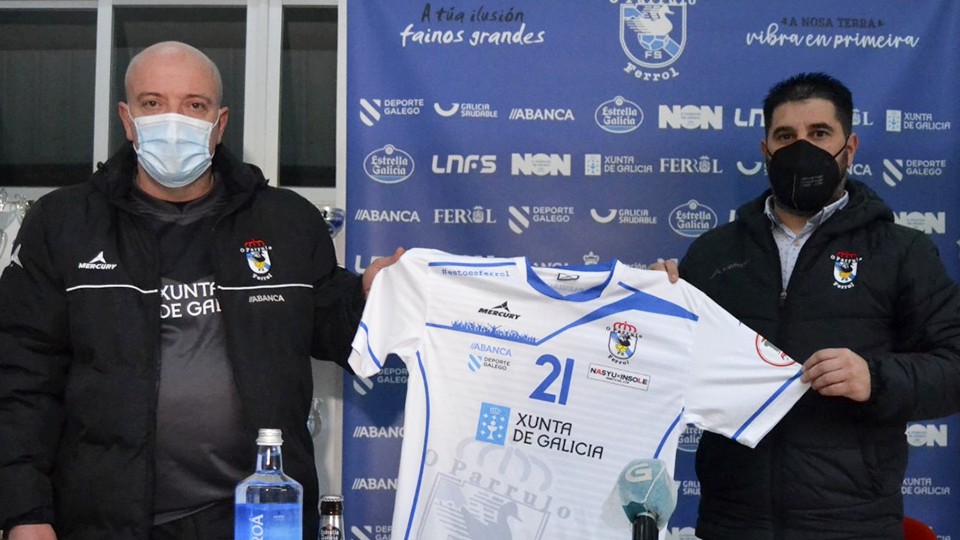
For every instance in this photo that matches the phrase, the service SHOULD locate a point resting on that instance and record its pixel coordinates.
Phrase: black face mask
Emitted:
(804, 176)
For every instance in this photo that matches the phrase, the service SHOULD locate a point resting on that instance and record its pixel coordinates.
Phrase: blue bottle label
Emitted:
(268, 522)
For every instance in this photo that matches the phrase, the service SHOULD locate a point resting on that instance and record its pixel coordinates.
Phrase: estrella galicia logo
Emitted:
(619, 115)
(388, 165)
(653, 34)
(692, 218)
(844, 269)
(622, 342)
(690, 439)
(492, 423)
(257, 253)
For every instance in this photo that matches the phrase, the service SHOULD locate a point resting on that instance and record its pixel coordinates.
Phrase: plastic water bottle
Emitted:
(268, 503)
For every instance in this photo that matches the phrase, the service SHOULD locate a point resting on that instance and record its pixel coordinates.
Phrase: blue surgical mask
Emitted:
(174, 149)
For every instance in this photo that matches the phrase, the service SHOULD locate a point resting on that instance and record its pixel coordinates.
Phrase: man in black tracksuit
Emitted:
(817, 265)
(154, 318)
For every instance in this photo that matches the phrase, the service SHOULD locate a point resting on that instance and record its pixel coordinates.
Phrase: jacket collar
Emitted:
(115, 177)
(864, 206)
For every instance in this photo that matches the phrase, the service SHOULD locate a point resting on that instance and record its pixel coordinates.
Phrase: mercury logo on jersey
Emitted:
(257, 254)
(501, 310)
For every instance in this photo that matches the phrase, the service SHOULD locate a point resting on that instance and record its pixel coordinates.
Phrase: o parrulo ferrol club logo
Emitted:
(622, 342)
(844, 269)
(257, 253)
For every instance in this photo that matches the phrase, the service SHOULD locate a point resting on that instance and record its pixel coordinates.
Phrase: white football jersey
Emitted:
(531, 388)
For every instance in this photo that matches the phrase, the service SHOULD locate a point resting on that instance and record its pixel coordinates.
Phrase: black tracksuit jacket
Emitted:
(79, 344)
(832, 468)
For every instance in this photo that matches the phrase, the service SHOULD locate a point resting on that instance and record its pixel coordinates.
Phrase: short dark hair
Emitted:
(811, 85)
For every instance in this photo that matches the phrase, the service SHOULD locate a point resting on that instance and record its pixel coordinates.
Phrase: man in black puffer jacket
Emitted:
(817, 265)
(154, 318)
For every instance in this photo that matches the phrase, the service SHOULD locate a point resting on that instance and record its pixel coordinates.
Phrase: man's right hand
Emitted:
(670, 267)
(40, 531)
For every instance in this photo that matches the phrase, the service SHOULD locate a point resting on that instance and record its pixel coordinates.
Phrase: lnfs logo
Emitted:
(653, 34)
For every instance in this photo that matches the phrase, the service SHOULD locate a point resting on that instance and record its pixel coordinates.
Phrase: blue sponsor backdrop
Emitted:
(575, 131)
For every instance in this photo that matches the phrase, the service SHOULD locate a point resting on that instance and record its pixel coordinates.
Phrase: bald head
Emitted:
(172, 56)
(173, 78)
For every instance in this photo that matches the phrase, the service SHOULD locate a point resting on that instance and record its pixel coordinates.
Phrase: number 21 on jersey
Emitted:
(547, 391)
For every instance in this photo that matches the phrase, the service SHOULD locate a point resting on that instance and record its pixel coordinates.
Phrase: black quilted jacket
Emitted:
(832, 468)
(79, 344)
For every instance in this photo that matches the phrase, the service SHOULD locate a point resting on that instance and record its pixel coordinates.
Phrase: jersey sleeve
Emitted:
(740, 384)
(393, 316)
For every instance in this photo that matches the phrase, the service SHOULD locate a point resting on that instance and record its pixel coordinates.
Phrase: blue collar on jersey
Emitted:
(588, 294)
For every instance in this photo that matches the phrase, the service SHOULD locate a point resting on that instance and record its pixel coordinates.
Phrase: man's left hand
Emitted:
(376, 266)
(838, 373)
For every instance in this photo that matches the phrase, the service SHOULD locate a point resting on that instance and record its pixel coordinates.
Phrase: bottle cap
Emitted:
(331, 505)
(269, 437)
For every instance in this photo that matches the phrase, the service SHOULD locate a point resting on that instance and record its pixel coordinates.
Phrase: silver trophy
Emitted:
(335, 219)
(315, 419)
(11, 208)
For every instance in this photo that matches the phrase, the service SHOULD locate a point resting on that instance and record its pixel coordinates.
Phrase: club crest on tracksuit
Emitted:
(257, 253)
(622, 342)
(844, 269)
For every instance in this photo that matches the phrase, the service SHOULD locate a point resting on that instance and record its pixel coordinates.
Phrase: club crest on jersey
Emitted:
(844, 269)
(257, 253)
(622, 342)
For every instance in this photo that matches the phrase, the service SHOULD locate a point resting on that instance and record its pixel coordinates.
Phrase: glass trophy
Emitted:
(335, 219)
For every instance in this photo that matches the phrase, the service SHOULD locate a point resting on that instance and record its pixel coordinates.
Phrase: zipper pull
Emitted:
(783, 297)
